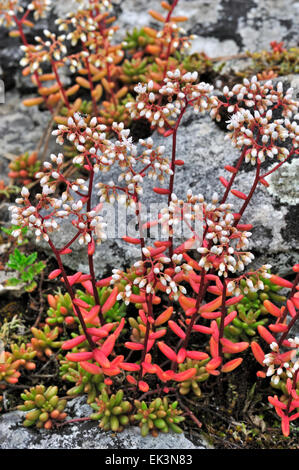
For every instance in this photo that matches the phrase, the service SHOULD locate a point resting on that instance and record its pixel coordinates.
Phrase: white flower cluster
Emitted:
(101, 5)
(252, 285)
(148, 278)
(123, 150)
(85, 135)
(45, 50)
(34, 56)
(293, 129)
(8, 9)
(53, 209)
(253, 123)
(94, 222)
(223, 241)
(176, 35)
(39, 8)
(187, 211)
(49, 177)
(43, 217)
(180, 90)
(276, 366)
(110, 193)
(154, 166)
(28, 216)
(90, 140)
(153, 158)
(83, 26)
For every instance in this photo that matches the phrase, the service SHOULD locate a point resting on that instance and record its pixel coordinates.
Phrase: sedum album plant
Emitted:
(165, 270)
(184, 307)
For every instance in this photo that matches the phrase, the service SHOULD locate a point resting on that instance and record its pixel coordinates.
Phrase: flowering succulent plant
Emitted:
(184, 310)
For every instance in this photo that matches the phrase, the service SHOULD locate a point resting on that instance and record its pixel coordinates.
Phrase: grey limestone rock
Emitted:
(84, 435)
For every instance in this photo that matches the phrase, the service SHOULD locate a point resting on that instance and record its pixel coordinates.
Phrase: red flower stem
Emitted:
(19, 24)
(156, 391)
(90, 257)
(223, 315)
(62, 90)
(70, 242)
(229, 186)
(167, 19)
(174, 4)
(253, 188)
(137, 212)
(172, 167)
(166, 65)
(71, 293)
(25, 16)
(94, 288)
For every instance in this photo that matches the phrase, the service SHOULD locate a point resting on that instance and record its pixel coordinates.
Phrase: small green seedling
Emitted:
(27, 268)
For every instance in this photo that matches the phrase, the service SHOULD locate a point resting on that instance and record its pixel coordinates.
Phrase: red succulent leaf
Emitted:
(275, 402)
(80, 356)
(214, 363)
(258, 352)
(181, 356)
(110, 302)
(231, 347)
(264, 333)
(185, 375)
(72, 343)
(285, 425)
(167, 351)
(101, 358)
(143, 386)
(91, 368)
(176, 329)
(134, 346)
(197, 355)
(271, 308)
(278, 327)
(164, 317)
(131, 379)
(279, 281)
(231, 365)
(54, 274)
